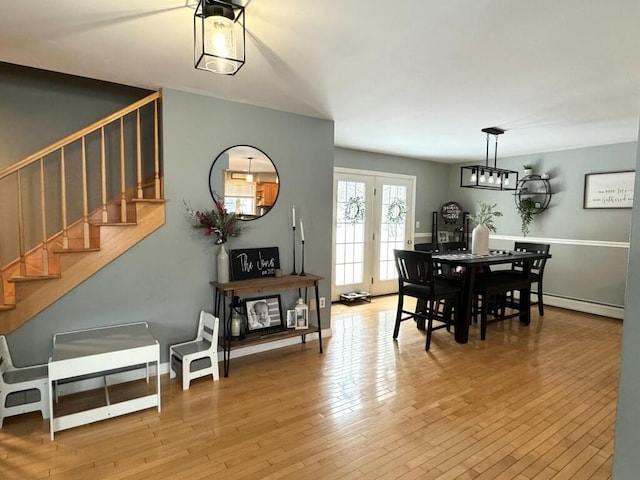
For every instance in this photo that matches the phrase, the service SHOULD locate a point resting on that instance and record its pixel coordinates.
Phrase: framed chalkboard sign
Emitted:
(451, 212)
(254, 263)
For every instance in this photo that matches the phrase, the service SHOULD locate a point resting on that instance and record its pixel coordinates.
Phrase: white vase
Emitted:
(223, 265)
(480, 240)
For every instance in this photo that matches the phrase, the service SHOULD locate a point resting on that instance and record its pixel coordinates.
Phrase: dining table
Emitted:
(474, 265)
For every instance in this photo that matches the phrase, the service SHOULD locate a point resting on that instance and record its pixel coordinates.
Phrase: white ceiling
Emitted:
(417, 78)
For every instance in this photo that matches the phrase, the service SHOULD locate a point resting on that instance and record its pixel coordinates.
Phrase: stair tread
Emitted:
(150, 200)
(32, 278)
(76, 250)
(116, 224)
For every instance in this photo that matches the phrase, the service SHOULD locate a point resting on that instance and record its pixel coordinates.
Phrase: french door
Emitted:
(373, 214)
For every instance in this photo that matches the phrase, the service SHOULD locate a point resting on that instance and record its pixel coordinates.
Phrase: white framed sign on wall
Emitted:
(609, 189)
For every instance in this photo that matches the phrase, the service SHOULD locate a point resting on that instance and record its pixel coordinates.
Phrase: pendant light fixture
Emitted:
(219, 36)
(249, 177)
(489, 177)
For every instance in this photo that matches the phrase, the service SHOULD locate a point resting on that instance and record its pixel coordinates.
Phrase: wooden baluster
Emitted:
(43, 216)
(23, 265)
(63, 194)
(156, 146)
(103, 173)
(123, 183)
(3, 301)
(139, 154)
(85, 203)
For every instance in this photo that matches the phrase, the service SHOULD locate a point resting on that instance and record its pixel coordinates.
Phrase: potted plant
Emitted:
(483, 219)
(528, 169)
(526, 209)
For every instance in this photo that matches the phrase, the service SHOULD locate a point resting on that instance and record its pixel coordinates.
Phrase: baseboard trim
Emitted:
(611, 311)
(138, 374)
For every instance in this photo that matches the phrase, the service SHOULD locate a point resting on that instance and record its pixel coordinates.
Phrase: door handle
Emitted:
(409, 242)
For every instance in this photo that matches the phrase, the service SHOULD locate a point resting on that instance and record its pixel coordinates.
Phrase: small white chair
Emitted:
(20, 385)
(198, 357)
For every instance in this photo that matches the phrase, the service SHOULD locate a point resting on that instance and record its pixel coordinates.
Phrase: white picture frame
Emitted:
(609, 189)
(291, 319)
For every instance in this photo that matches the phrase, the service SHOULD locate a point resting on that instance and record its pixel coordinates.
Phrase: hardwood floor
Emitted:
(528, 403)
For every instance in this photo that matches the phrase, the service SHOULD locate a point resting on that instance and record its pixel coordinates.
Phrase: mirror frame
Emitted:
(262, 153)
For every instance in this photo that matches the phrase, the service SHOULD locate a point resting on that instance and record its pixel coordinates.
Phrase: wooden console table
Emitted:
(241, 288)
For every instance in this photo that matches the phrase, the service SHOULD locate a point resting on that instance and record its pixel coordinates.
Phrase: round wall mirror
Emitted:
(247, 180)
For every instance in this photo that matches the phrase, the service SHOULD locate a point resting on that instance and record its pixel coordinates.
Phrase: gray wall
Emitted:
(38, 107)
(626, 461)
(164, 280)
(575, 234)
(431, 190)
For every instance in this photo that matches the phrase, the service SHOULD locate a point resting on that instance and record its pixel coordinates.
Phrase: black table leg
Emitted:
(525, 297)
(464, 320)
(318, 316)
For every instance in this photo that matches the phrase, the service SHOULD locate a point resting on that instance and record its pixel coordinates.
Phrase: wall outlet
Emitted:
(417, 223)
(322, 303)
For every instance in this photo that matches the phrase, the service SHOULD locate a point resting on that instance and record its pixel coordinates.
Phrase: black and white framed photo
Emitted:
(291, 319)
(263, 313)
(443, 237)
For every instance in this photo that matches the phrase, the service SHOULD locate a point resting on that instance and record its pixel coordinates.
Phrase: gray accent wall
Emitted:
(38, 108)
(588, 263)
(164, 280)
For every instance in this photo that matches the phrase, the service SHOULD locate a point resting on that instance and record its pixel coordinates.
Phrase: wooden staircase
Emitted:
(44, 271)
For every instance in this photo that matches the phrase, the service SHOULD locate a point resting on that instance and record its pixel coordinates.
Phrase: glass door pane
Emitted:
(350, 233)
(394, 218)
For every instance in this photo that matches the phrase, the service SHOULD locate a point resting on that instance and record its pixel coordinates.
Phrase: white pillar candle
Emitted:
(293, 215)
(301, 231)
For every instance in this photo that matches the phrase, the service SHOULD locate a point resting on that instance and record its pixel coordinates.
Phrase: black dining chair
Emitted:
(447, 247)
(417, 278)
(537, 270)
(426, 247)
(490, 292)
(452, 247)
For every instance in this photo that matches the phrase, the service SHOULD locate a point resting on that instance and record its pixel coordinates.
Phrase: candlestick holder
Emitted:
(302, 271)
(294, 251)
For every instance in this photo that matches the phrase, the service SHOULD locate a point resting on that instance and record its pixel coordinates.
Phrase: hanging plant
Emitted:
(396, 211)
(354, 210)
(526, 208)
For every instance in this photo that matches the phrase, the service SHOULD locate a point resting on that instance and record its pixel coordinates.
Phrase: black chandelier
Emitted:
(219, 36)
(486, 177)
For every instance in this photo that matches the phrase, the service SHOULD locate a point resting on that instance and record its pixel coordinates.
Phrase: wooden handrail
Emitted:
(28, 199)
(78, 135)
